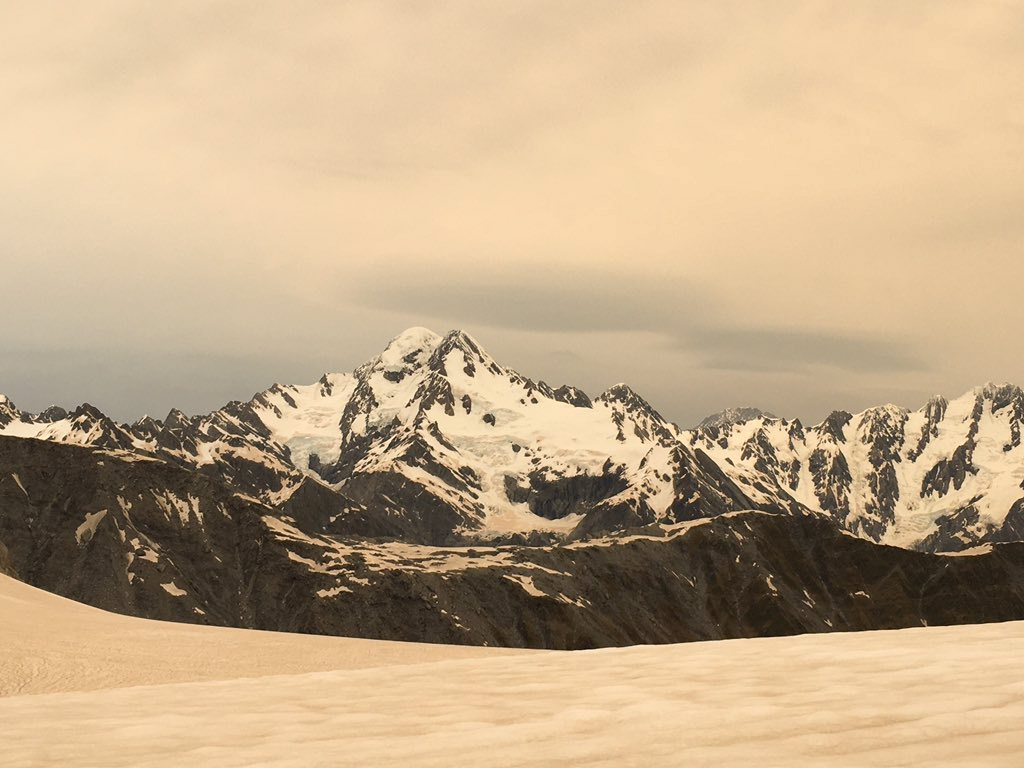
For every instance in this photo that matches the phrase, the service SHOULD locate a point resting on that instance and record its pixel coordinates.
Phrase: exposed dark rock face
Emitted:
(399, 507)
(831, 476)
(1012, 528)
(702, 489)
(52, 414)
(436, 390)
(955, 530)
(124, 535)
(732, 577)
(965, 528)
(953, 470)
(1010, 398)
(572, 396)
(6, 567)
(8, 411)
(734, 416)
(318, 509)
(556, 497)
(760, 452)
(466, 348)
(627, 405)
(935, 412)
(883, 431)
(835, 425)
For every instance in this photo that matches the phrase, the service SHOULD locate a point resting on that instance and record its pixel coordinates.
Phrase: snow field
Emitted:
(51, 644)
(926, 696)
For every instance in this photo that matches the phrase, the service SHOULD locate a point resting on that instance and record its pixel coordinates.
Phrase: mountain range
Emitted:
(436, 494)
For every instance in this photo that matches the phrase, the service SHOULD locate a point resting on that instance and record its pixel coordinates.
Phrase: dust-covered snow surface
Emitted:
(928, 696)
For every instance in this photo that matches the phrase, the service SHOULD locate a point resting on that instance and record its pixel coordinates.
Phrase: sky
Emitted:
(801, 206)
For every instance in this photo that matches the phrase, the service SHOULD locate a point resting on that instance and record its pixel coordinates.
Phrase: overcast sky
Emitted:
(801, 206)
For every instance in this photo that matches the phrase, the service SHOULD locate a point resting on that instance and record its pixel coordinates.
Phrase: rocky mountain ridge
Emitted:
(943, 478)
(433, 442)
(734, 416)
(147, 537)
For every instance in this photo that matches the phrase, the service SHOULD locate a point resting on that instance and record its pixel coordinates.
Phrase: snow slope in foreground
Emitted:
(938, 696)
(50, 644)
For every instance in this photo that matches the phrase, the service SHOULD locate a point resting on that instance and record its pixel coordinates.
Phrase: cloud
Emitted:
(530, 298)
(772, 350)
(693, 321)
(821, 193)
(128, 382)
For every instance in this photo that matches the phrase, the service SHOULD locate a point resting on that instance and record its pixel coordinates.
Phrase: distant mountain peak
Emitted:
(735, 416)
(629, 398)
(175, 419)
(995, 387)
(573, 396)
(89, 411)
(409, 350)
(411, 340)
(473, 355)
(460, 338)
(999, 394)
(884, 414)
(8, 411)
(53, 413)
(620, 392)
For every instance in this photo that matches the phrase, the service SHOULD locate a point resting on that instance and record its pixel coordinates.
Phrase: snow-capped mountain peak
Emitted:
(734, 416)
(8, 410)
(411, 348)
(458, 351)
(643, 420)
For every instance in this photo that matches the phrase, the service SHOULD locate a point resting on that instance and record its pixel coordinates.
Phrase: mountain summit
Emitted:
(731, 416)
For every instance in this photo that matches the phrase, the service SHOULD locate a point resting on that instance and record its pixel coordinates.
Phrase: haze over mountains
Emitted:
(434, 494)
(436, 424)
